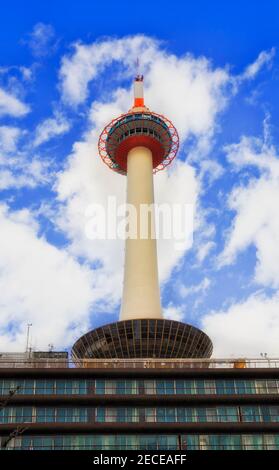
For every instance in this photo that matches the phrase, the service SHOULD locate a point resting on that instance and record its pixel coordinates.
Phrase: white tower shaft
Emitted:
(141, 292)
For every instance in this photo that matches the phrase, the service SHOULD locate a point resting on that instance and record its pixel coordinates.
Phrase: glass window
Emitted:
(111, 387)
(82, 387)
(49, 387)
(150, 415)
(40, 387)
(227, 414)
(252, 442)
(166, 415)
(220, 387)
(58, 443)
(121, 414)
(100, 415)
(26, 442)
(149, 387)
(201, 415)
(186, 415)
(27, 413)
(46, 415)
(190, 442)
(200, 387)
(230, 387)
(70, 387)
(211, 415)
(270, 413)
(131, 387)
(210, 387)
(64, 415)
(111, 415)
(161, 387)
(152, 442)
(205, 442)
(229, 442)
(60, 387)
(121, 387)
(190, 387)
(250, 414)
(261, 386)
(272, 386)
(180, 387)
(28, 387)
(100, 387)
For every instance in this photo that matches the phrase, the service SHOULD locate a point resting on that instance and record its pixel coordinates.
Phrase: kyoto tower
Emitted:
(138, 144)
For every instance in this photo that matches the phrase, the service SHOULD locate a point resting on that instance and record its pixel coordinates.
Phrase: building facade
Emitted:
(140, 404)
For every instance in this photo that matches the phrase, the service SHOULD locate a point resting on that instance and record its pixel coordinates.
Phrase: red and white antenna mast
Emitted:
(138, 89)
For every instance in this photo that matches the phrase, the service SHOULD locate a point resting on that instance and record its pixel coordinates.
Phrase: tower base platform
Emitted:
(144, 338)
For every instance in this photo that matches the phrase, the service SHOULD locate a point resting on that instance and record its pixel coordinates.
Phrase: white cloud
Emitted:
(26, 72)
(19, 169)
(39, 284)
(10, 105)
(210, 170)
(256, 210)
(87, 61)
(9, 136)
(245, 329)
(173, 312)
(264, 58)
(42, 40)
(204, 249)
(50, 128)
(188, 90)
(200, 288)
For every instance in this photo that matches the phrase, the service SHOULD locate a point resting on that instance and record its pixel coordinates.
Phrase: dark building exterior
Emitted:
(156, 404)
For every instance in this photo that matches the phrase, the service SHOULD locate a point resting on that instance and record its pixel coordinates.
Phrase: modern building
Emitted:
(152, 404)
(143, 382)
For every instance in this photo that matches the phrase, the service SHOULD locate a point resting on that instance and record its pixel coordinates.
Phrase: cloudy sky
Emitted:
(66, 69)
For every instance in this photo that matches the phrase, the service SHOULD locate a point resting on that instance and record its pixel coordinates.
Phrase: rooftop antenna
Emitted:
(27, 336)
(138, 77)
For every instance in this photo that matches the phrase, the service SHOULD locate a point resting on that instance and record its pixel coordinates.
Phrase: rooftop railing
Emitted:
(232, 363)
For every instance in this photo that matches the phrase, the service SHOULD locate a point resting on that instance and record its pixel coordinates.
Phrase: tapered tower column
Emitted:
(141, 292)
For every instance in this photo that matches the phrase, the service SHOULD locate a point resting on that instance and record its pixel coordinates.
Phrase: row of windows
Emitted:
(145, 387)
(130, 118)
(146, 442)
(219, 414)
(139, 131)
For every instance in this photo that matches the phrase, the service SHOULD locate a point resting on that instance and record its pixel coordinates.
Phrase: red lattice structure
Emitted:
(134, 129)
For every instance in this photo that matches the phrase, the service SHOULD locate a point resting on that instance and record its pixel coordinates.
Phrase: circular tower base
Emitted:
(145, 338)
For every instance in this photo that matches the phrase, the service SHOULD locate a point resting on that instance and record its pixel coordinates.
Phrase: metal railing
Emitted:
(232, 363)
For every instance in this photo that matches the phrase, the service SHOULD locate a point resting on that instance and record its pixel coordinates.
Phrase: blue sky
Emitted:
(66, 69)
